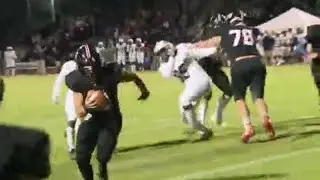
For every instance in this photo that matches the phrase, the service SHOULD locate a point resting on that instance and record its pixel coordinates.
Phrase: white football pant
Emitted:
(196, 88)
(121, 59)
(71, 120)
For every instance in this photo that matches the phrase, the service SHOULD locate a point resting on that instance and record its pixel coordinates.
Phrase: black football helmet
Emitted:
(88, 61)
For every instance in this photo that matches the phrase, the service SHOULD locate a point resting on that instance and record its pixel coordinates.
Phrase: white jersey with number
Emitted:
(121, 49)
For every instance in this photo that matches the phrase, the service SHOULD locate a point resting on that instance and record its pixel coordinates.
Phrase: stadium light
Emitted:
(53, 10)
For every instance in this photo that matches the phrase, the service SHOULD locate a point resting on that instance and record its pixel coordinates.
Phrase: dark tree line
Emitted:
(21, 17)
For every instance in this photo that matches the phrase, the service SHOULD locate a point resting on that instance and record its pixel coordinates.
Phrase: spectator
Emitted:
(268, 43)
(300, 45)
(10, 58)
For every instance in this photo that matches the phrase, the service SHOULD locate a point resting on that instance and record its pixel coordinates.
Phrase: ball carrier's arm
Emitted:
(78, 100)
(132, 77)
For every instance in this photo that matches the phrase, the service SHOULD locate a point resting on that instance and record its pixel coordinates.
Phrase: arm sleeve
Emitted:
(200, 53)
(166, 68)
(58, 82)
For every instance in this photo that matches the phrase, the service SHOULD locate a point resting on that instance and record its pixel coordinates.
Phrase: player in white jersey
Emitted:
(72, 122)
(180, 62)
(140, 54)
(132, 55)
(121, 52)
(101, 49)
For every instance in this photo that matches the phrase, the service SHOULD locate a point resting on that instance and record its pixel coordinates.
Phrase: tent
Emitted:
(293, 18)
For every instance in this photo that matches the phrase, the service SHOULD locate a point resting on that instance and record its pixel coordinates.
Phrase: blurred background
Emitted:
(51, 29)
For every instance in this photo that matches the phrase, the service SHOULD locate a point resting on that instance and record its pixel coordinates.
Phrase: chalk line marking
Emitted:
(201, 174)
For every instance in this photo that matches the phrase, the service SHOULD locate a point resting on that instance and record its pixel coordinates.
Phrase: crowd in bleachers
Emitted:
(148, 25)
(282, 47)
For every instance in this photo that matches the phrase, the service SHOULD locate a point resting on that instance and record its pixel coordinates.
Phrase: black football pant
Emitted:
(221, 80)
(214, 69)
(2, 86)
(250, 72)
(100, 131)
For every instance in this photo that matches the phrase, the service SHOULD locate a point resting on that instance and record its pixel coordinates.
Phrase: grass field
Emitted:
(152, 146)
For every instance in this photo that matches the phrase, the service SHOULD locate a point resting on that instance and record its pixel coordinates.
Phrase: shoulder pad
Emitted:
(77, 82)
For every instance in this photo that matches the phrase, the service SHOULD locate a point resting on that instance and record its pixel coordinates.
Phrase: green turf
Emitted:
(152, 146)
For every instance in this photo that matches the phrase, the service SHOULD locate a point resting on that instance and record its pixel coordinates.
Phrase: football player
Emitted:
(178, 61)
(100, 127)
(70, 131)
(247, 69)
(140, 54)
(121, 52)
(132, 55)
(213, 66)
(219, 78)
(314, 55)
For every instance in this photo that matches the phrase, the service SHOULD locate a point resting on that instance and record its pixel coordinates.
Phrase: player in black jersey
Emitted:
(213, 67)
(247, 69)
(102, 128)
(315, 60)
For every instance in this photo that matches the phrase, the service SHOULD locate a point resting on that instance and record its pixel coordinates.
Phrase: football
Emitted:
(97, 97)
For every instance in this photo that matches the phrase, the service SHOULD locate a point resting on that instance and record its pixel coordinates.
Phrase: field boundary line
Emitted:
(201, 174)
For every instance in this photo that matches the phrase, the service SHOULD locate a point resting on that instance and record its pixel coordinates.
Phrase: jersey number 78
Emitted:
(245, 34)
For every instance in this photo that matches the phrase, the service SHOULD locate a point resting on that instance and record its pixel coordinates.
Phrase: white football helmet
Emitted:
(100, 44)
(160, 45)
(139, 40)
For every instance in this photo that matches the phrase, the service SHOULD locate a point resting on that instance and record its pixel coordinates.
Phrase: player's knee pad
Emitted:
(71, 123)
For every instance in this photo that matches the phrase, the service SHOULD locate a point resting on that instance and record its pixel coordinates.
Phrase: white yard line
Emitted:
(202, 174)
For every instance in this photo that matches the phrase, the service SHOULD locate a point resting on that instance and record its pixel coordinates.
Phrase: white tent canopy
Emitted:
(293, 18)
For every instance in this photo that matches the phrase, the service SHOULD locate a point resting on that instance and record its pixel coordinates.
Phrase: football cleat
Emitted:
(248, 134)
(206, 136)
(269, 128)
